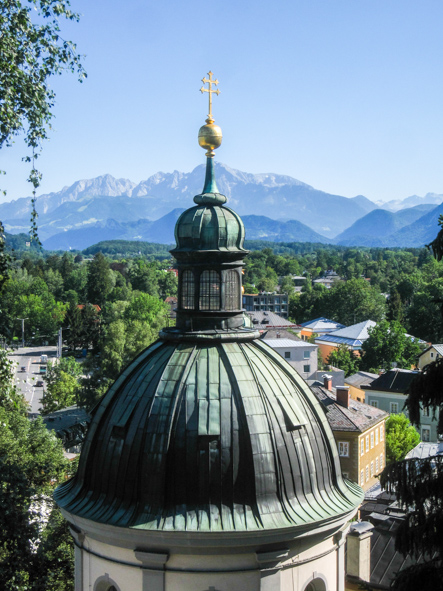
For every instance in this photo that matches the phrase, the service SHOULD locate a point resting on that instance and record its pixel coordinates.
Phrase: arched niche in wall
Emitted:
(105, 583)
(316, 584)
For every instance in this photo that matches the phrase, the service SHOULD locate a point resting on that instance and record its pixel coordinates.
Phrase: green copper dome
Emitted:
(208, 227)
(209, 429)
(209, 436)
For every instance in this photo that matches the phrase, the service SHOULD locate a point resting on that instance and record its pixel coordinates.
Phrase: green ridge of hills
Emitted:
(162, 231)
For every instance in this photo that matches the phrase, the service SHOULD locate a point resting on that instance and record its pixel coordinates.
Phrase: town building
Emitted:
(264, 320)
(358, 430)
(267, 301)
(429, 355)
(209, 464)
(356, 381)
(333, 373)
(352, 336)
(172, 303)
(328, 279)
(70, 425)
(322, 326)
(389, 392)
(300, 354)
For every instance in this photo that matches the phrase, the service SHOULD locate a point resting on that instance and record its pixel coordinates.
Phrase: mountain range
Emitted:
(106, 208)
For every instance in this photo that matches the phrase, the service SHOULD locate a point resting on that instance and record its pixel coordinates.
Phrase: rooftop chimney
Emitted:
(358, 556)
(327, 380)
(343, 395)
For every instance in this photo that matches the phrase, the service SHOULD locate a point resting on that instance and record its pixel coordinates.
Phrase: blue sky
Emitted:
(345, 95)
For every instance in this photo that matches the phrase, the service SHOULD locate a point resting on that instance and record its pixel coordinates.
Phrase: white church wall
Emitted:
(104, 565)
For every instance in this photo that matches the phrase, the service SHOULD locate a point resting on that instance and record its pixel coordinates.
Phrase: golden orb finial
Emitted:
(210, 135)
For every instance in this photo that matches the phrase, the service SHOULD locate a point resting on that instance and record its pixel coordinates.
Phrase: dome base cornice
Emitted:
(213, 336)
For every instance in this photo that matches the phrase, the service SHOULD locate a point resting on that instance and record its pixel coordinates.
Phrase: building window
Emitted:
(343, 449)
(372, 469)
(188, 290)
(362, 477)
(372, 439)
(376, 465)
(307, 368)
(382, 426)
(367, 473)
(381, 461)
(232, 290)
(374, 403)
(394, 408)
(209, 290)
(426, 411)
(426, 434)
(306, 354)
(367, 442)
(287, 354)
(376, 436)
(432, 355)
(362, 446)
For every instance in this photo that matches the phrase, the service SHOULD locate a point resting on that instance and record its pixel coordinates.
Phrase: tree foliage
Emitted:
(31, 51)
(388, 343)
(401, 437)
(343, 358)
(62, 385)
(35, 547)
(100, 280)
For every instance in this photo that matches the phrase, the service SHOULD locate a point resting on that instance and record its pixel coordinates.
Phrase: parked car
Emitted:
(39, 383)
(23, 368)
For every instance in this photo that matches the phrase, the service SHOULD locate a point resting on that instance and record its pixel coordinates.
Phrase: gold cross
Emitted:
(211, 82)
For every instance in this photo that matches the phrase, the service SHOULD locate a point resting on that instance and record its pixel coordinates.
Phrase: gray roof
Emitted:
(395, 380)
(209, 435)
(287, 343)
(70, 424)
(358, 417)
(355, 331)
(361, 377)
(438, 348)
(320, 324)
(280, 333)
(385, 559)
(354, 335)
(269, 319)
(425, 450)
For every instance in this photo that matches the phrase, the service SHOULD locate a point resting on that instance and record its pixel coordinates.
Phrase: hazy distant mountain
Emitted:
(162, 231)
(375, 228)
(413, 200)
(258, 227)
(420, 232)
(87, 203)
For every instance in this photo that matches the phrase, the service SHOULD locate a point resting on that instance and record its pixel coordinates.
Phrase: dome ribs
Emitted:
(209, 436)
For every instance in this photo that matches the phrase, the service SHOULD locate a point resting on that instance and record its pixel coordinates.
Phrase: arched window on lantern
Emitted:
(232, 290)
(209, 290)
(188, 290)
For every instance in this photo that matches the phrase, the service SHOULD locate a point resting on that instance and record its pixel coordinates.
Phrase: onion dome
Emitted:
(209, 225)
(209, 436)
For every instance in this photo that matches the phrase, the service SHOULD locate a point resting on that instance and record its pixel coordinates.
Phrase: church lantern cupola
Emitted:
(209, 249)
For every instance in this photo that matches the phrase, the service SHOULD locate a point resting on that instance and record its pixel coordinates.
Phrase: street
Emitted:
(26, 381)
